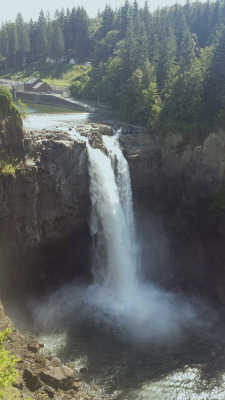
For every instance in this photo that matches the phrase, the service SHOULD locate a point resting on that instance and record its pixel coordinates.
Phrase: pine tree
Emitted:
(4, 45)
(166, 63)
(214, 90)
(42, 44)
(57, 47)
(13, 43)
(79, 33)
(23, 39)
(107, 21)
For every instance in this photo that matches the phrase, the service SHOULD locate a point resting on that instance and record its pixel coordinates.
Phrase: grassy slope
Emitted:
(54, 74)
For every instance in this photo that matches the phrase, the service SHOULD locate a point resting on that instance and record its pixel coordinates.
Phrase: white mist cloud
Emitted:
(149, 314)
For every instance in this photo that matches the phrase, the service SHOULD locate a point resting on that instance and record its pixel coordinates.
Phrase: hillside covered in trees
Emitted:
(164, 69)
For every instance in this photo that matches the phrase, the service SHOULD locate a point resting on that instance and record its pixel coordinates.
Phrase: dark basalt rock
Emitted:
(45, 206)
(11, 138)
(31, 380)
(44, 211)
(40, 373)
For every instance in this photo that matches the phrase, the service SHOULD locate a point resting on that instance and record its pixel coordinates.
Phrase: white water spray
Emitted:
(112, 224)
(118, 299)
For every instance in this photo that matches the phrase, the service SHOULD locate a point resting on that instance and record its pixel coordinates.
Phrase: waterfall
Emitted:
(118, 299)
(112, 222)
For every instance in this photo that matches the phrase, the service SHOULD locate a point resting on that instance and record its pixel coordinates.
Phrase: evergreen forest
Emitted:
(164, 69)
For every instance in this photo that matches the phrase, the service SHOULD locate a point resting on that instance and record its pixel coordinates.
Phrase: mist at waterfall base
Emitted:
(120, 300)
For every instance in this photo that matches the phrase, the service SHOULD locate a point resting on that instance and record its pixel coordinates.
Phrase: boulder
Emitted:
(58, 377)
(34, 347)
(31, 380)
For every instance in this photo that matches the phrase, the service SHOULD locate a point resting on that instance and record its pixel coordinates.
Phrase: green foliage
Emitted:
(79, 81)
(22, 109)
(23, 39)
(57, 47)
(8, 373)
(9, 167)
(54, 74)
(164, 69)
(12, 393)
(214, 84)
(138, 105)
(7, 106)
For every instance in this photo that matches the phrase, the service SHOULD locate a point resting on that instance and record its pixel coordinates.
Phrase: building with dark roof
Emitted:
(30, 83)
(34, 84)
(41, 87)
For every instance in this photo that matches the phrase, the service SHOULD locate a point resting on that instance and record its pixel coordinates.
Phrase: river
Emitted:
(133, 339)
(41, 116)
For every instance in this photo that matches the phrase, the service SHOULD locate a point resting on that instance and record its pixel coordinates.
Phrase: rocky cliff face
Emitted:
(173, 166)
(184, 184)
(41, 375)
(145, 161)
(44, 208)
(11, 138)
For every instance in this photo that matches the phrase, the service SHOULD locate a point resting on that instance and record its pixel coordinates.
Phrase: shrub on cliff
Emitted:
(9, 166)
(7, 107)
(8, 373)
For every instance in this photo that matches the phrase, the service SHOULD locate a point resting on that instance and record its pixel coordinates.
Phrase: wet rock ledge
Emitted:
(41, 375)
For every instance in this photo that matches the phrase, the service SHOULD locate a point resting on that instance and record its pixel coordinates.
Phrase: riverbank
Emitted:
(41, 375)
(56, 98)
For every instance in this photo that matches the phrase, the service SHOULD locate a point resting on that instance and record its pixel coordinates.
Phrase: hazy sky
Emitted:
(30, 9)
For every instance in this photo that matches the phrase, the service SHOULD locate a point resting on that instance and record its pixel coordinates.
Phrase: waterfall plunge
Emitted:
(118, 300)
(112, 224)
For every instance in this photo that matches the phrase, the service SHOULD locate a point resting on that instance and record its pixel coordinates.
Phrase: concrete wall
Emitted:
(52, 100)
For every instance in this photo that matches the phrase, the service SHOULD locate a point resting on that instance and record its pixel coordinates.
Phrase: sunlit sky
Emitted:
(31, 9)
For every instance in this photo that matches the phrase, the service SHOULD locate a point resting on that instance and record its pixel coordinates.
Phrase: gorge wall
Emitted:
(44, 213)
(183, 183)
(45, 207)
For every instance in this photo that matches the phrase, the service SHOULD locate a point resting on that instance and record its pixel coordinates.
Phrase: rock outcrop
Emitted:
(41, 375)
(183, 183)
(173, 166)
(11, 138)
(145, 161)
(45, 206)
(44, 211)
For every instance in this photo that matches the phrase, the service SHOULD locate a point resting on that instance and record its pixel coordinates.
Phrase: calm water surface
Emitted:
(47, 109)
(42, 116)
